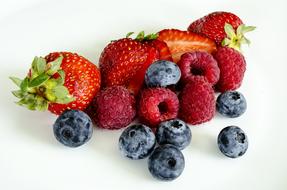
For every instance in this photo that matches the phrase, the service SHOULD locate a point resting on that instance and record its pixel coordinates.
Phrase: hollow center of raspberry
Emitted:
(162, 107)
(171, 162)
(176, 124)
(197, 71)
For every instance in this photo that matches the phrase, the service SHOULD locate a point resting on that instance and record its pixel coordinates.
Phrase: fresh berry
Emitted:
(198, 65)
(197, 102)
(137, 142)
(157, 105)
(125, 61)
(232, 68)
(231, 104)
(180, 42)
(212, 25)
(135, 85)
(60, 81)
(162, 49)
(73, 128)
(174, 132)
(162, 73)
(232, 141)
(166, 163)
(113, 108)
(220, 27)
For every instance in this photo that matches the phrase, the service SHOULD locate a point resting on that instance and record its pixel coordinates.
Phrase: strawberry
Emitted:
(180, 42)
(162, 48)
(60, 81)
(218, 26)
(137, 81)
(123, 62)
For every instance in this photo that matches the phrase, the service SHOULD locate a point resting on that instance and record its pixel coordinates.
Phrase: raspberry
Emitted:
(198, 65)
(157, 105)
(232, 67)
(114, 108)
(197, 102)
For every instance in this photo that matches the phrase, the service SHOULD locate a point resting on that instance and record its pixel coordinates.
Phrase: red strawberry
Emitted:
(137, 81)
(180, 42)
(124, 62)
(60, 81)
(162, 48)
(214, 27)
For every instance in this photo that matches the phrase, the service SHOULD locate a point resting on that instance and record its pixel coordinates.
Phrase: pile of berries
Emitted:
(167, 80)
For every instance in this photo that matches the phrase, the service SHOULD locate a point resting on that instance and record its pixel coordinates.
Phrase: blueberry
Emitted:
(162, 73)
(166, 162)
(174, 132)
(232, 141)
(73, 128)
(137, 142)
(231, 104)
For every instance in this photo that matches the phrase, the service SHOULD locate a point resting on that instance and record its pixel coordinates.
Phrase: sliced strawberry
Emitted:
(137, 81)
(180, 42)
(162, 48)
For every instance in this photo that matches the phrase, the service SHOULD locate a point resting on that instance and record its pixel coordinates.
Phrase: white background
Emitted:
(30, 157)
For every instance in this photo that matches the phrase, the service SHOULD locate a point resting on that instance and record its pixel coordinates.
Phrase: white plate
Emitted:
(32, 159)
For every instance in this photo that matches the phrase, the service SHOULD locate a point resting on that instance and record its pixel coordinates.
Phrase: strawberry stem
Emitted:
(40, 87)
(142, 37)
(236, 38)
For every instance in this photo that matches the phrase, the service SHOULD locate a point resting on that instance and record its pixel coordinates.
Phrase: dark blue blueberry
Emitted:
(174, 132)
(166, 162)
(231, 104)
(137, 142)
(162, 73)
(73, 128)
(232, 141)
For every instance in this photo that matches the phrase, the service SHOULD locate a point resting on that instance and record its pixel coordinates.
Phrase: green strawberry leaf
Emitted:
(140, 36)
(18, 93)
(129, 34)
(60, 92)
(49, 94)
(51, 83)
(151, 36)
(65, 100)
(24, 84)
(28, 101)
(38, 66)
(245, 41)
(39, 80)
(43, 106)
(16, 80)
(21, 102)
(61, 79)
(54, 65)
(41, 103)
(225, 42)
(41, 65)
(34, 65)
(229, 30)
(246, 29)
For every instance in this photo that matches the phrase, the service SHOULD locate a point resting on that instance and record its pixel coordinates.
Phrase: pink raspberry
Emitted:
(113, 108)
(197, 102)
(194, 65)
(157, 105)
(232, 67)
